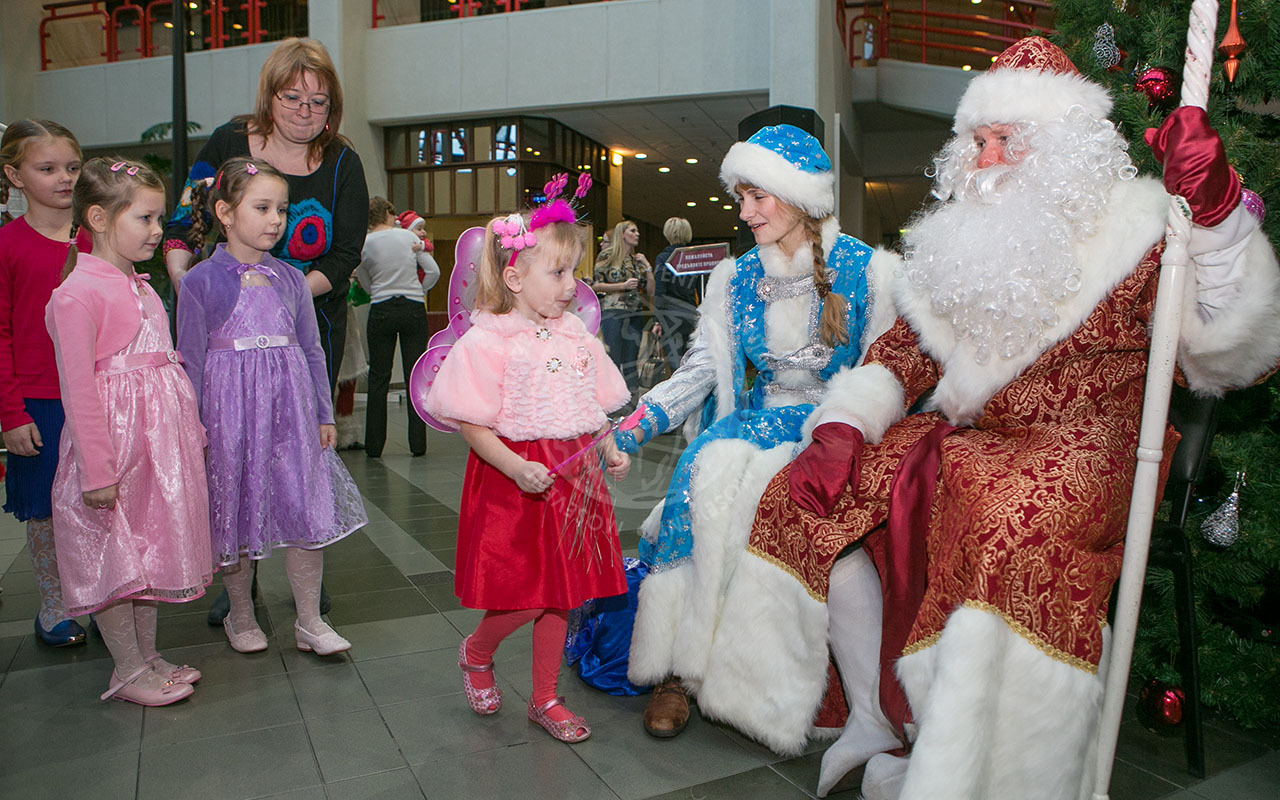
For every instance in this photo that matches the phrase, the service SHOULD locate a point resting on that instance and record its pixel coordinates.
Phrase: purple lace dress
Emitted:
(270, 482)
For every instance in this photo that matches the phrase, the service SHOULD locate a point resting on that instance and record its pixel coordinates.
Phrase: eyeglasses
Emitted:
(294, 102)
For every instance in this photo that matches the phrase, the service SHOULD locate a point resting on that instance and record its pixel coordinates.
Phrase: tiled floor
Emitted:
(388, 720)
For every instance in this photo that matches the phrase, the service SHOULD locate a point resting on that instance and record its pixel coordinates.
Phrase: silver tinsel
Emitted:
(1104, 45)
(1222, 528)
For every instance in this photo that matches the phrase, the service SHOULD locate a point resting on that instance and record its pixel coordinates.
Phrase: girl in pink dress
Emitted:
(529, 386)
(130, 507)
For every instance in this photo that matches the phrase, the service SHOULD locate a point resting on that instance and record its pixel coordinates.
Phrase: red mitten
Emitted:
(427, 246)
(821, 471)
(1195, 165)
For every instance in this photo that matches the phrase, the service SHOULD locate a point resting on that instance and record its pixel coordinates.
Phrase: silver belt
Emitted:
(253, 342)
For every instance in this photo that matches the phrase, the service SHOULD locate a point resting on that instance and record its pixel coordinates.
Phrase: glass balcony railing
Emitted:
(403, 12)
(82, 32)
(968, 34)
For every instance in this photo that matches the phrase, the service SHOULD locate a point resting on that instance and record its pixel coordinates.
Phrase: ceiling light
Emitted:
(714, 199)
(168, 24)
(617, 159)
(642, 156)
(664, 169)
(735, 227)
(966, 68)
(728, 207)
(193, 5)
(691, 161)
(537, 152)
(236, 26)
(690, 204)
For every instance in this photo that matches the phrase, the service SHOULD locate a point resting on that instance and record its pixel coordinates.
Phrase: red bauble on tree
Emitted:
(1160, 85)
(1160, 705)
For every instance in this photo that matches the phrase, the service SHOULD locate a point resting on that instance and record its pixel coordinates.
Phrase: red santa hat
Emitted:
(1031, 81)
(410, 220)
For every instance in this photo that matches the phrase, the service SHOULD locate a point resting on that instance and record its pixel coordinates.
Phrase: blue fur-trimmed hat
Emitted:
(787, 163)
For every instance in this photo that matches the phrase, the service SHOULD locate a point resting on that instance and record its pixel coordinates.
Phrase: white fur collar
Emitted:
(776, 263)
(1133, 222)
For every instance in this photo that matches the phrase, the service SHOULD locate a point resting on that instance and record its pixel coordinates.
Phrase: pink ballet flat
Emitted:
(254, 641)
(183, 674)
(322, 644)
(570, 730)
(168, 694)
(482, 701)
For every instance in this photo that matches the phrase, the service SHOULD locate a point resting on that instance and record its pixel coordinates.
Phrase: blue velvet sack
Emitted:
(599, 640)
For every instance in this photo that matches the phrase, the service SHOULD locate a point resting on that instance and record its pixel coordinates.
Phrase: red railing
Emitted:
(213, 24)
(936, 32)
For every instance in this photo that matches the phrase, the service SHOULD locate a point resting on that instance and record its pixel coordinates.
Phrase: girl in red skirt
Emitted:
(529, 386)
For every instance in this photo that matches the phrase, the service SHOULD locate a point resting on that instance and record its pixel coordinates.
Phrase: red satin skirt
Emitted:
(556, 549)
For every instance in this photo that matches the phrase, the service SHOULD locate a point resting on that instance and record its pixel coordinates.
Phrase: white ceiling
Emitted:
(669, 132)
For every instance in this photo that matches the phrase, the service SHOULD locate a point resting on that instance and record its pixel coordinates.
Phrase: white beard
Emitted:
(996, 270)
(997, 256)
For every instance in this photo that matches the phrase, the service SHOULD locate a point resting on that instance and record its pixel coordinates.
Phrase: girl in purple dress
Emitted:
(247, 330)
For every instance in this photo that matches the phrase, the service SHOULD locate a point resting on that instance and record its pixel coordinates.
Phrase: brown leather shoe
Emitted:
(668, 711)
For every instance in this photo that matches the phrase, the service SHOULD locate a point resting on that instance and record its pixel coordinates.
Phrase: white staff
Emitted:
(1155, 411)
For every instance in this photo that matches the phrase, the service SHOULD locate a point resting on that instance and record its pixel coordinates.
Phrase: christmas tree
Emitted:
(1136, 48)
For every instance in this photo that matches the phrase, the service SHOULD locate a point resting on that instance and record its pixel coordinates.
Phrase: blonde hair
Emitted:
(110, 184)
(229, 185)
(379, 209)
(678, 231)
(617, 253)
(290, 59)
(833, 329)
(554, 241)
(13, 148)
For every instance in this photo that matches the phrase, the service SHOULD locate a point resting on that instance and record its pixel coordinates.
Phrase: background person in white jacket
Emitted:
(388, 271)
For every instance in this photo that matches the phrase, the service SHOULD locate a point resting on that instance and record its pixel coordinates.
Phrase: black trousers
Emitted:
(406, 319)
(331, 318)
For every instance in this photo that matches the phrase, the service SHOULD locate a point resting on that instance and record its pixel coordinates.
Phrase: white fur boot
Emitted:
(854, 609)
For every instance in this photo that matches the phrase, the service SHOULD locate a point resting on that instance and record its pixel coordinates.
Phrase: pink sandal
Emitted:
(570, 730)
(482, 701)
(125, 689)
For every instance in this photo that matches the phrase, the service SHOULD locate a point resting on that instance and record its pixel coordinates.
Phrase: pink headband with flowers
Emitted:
(516, 236)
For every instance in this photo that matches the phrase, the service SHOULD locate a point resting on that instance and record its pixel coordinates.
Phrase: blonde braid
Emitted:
(832, 328)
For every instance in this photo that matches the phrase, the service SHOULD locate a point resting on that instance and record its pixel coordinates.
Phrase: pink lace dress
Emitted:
(155, 544)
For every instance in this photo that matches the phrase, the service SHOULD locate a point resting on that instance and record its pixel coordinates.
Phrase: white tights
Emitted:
(45, 564)
(305, 569)
(128, 628)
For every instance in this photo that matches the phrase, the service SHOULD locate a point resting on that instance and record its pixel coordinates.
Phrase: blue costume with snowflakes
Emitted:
(755, 372)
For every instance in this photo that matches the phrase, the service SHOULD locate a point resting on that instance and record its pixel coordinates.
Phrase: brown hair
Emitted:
(109, 183)
(13, 148)
(833, 330)
(379, 209)
(290, 59)
(228, 185)
(832, 327)
(554, 240)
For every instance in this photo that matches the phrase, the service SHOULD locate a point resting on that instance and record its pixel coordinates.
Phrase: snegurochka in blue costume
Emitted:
(797, 308)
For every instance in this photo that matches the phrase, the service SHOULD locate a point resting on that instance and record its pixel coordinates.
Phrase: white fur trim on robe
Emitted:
(997, 717)
(679, 609)
(1232, 345)
(767, 669)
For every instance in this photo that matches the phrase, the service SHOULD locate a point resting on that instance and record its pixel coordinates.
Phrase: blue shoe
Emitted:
(65, 633)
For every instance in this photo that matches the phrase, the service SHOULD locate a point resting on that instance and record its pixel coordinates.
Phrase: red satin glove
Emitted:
(1195, 164)
(821, 471)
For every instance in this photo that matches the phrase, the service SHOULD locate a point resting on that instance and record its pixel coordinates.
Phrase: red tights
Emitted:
(549, 628)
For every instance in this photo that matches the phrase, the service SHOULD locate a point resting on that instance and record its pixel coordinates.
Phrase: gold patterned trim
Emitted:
(1018, 628)
(782, 565)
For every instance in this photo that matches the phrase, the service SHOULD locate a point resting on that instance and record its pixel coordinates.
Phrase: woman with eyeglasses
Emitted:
(294, 128)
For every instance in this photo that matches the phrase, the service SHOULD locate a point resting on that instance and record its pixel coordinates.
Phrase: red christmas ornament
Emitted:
(1159, 84)
(1160, 705)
